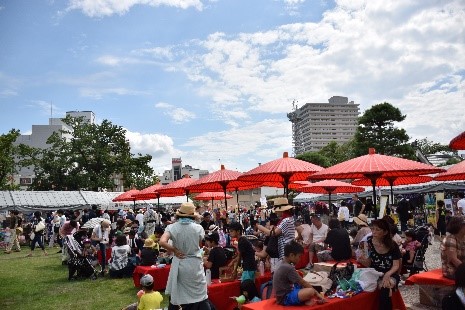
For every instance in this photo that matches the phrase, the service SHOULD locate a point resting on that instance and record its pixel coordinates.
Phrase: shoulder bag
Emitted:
(337, 274)
(40, 226)
(272, 247)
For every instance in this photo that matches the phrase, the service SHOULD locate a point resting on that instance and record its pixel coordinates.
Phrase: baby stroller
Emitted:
(78, 265)
(419, 264)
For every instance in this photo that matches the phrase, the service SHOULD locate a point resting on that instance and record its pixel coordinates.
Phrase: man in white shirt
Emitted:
(461, 204)
(317, 237)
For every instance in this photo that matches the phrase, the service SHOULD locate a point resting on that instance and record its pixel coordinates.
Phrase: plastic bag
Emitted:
(368, 279)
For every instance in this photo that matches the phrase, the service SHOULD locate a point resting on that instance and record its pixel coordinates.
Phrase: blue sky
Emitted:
(212, 80)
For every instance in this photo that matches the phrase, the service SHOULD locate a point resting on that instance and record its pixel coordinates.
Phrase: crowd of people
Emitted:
(268, 237)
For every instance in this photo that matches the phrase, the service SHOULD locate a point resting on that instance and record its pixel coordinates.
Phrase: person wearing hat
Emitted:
(149, 252)
(217, 257)
(186, 281)
(149, 299)
(363, 230)
(207, 221)
(285, 228)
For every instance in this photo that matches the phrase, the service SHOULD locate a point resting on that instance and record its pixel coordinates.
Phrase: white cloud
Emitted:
(102, 8)
(99, 93)
(160, 146)
(254, 142)
(178, 115)
(366, 50)
(45, 107)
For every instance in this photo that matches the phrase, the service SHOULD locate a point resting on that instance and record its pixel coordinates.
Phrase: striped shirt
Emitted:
(288, 234)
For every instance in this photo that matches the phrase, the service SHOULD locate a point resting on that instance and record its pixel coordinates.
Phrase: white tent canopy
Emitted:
(52, 200)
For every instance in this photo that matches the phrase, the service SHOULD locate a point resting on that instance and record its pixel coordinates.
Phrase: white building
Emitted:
(178, 171)
(315, 125)
(38, 139)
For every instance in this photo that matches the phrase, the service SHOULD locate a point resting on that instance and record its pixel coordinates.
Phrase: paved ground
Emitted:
(410, 292)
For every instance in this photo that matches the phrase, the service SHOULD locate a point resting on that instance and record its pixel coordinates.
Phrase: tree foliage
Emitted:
(429, 147)
(8, 152)
(314, 158)
(89, 156)
(376, 130)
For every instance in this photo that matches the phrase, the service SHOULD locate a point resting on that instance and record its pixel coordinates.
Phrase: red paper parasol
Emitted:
(329, 187)
(178, 188)
(212, 196)
(222, 180)
(283, 170)
(126, 196)
(454, 173)
(374, 166)
(150, 192)
(458, 143)
(393, 181)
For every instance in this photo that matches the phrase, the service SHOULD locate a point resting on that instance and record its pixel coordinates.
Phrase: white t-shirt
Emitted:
(461, 205)
(345, 212)
(319, 235)
(140, 219)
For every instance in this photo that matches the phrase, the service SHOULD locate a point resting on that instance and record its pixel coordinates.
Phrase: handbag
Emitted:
(40, 226)
(319, 280)
(337, 274)
(272, 247)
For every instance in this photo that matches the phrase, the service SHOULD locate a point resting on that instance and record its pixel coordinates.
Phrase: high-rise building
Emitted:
(315, 125)
(38, 139)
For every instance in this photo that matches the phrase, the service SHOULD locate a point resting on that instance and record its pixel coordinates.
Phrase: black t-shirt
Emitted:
(357, 207)
(148, 257)
(382, 262)
(402, 210)
(218, 259)
(206, 224)
(247, 254)
(339, 241)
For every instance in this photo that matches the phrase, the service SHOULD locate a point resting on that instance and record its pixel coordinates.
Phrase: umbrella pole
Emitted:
(212, 203)
(187, 196)
(225, 200)
(237, 196)
(158, 204)
(329, 202)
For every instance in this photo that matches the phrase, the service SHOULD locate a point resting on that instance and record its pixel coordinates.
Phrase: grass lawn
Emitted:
(41, 282)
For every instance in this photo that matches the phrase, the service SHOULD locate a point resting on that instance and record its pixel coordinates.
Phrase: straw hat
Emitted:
(361, 220)
(187, 209)
(149, 243)
(281, 204)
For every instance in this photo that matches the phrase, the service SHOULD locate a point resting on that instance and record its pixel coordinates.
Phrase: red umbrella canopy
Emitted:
(283, 170)
(149, 192)
(395, 181)
(458, 143)
(329, 187)
(374, 166)
(177, 188)
(219, 181)
(456, 172)
(212, 196)
(126, 196)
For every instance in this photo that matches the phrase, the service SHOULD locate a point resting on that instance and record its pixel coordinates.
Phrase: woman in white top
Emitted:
(186, 281)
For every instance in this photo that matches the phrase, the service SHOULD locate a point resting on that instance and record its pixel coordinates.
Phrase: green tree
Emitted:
(315, 158)
(337, 153)
(8, 153)
(89, 156)
(429, 147)
(376, 130)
